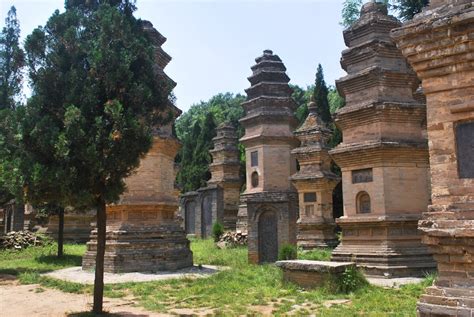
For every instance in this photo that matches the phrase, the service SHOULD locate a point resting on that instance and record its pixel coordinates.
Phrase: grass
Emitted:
(242, 289)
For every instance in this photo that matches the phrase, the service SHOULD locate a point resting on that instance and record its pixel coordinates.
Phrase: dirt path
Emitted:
(36, 301)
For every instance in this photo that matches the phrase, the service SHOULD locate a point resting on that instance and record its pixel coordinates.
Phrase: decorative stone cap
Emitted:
(373, 6)
(315, 266)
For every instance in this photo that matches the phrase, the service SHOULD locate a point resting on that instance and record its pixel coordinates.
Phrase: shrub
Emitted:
(349, 281)
(217, 231)
(287, 252)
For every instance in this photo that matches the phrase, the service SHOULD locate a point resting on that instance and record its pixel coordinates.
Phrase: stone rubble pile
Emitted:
(232, 239)
(21, 240)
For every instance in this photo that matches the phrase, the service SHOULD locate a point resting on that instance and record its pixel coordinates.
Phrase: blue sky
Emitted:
(214, 43)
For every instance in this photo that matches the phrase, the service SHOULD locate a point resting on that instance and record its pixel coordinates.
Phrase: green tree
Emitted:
(11, 62)
(407, 9)
(11, 79)
(301, 97)
(350, 12)
(320, 96)
(95, 95)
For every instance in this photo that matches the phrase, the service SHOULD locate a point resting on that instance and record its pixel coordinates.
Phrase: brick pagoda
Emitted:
(225, 169)
(272, 202)
(143, 232)
(384, 153)
(315, 183)
(439, 44)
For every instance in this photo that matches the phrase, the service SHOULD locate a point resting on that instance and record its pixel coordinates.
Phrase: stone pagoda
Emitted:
(384, 153)
(225, 168)
(272, 202)
(143, 233)
(219, 200)
(315, 183)
(439, 44)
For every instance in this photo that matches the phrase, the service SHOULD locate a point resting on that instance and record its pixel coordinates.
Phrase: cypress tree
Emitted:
(320, 96)
(95, 93)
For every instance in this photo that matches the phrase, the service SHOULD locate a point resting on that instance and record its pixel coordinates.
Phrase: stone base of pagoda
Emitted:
(271, 218)
(77, 227)
(230, 218)
(384, 246)
(140, 238)
(452, 244)
(312, 235)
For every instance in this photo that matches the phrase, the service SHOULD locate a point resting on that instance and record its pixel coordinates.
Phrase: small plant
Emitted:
(217, 231)
(287, 252)
(349, 281)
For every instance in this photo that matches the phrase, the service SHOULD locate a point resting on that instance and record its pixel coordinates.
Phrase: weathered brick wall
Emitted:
(439, 44)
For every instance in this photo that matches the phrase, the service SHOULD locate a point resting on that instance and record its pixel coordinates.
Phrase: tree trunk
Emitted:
(99, 260)
(61, 232)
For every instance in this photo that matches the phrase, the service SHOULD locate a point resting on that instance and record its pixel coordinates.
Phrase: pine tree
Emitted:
(95, 92)
(320, 96)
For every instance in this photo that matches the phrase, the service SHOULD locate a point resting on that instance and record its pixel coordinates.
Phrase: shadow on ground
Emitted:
(67, 259)
(119, 314)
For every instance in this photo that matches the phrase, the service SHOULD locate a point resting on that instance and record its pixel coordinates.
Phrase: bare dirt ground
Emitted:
(35, 301)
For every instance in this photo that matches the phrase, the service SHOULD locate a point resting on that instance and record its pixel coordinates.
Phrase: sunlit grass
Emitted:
(239, 289)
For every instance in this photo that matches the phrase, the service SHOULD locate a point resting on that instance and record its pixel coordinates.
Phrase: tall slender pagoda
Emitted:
(384, 153)
(272, 202)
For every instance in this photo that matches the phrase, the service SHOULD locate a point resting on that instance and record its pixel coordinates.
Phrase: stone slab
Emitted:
(315, 266)
(78, 275)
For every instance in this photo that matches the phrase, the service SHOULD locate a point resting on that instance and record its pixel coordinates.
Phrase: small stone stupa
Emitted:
(384, 153)
(315, 183)
(272, 202)
(143, 232)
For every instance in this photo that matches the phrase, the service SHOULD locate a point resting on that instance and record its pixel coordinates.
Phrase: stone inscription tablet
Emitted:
(362, 176)
(465, 149)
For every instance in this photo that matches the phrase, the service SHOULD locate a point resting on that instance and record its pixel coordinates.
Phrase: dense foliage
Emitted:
(11, 78)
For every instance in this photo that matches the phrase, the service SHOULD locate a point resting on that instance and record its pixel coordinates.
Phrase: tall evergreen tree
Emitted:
(11, 62)
(95, 93)
(320, 96)
(11, 79)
